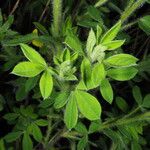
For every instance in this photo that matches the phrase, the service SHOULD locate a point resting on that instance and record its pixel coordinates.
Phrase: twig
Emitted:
(129, 11)
(45, 9)
(15, 7)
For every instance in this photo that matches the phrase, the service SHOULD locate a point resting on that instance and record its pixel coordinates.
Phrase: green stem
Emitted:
(128, 12)
(132, 112)
(100, 3)
(124, 121)
(57, 16)
(125, 27)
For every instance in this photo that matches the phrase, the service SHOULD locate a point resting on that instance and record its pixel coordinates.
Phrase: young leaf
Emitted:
(32, 55)
(146, 101)
(98, 73)
(122, 74)
(121, 60)
(71, 112)
(46, 84)
(91, 41)
(61, 99)
(122, 104)
(27, 69)
(65, 55)
(98, 34)
(88, 105)
(111, 34)
(12, 136)
(27, 142)
(137, 94)
(114, 44)
(106, 90)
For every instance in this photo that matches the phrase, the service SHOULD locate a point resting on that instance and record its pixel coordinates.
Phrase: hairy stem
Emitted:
(57, 16)
(123, 121)
(128, 12)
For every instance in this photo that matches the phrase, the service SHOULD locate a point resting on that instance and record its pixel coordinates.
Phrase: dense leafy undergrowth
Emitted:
(74, 74)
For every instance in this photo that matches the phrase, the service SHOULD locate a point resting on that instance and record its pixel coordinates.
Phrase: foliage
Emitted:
(70, 76)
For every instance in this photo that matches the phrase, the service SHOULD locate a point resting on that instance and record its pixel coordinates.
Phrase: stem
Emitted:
(123, 121)
(125, 27)
(57, 16)
(73, 145)
(132, 112)
(128, 12)
(100, 3)
(46, 7)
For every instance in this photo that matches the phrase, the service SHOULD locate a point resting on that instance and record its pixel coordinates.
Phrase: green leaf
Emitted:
(73, 42)
(41, 28)
(144, 24)
(81, 128)
(12, 136)
(91, 41)
(41, 122)
(121, 60)
(7, 24)
(98, 33)
(71, 112)
(32, 55)
(94, 126)
(86, 72)
(114, 44)
(27, 142)
(11, 116)
(146, 101)
(46, 103)
(61, 99)
(27, 69)
(98, 73)
(88, 105)
(65, 55)
(46, 84)
(111, 34)
(94, 13)
(82, 143)
(106, 90)
(21, 93)
(122, 104)
(122, 74)
(36, 132)
(137, 94)
(31, 83)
